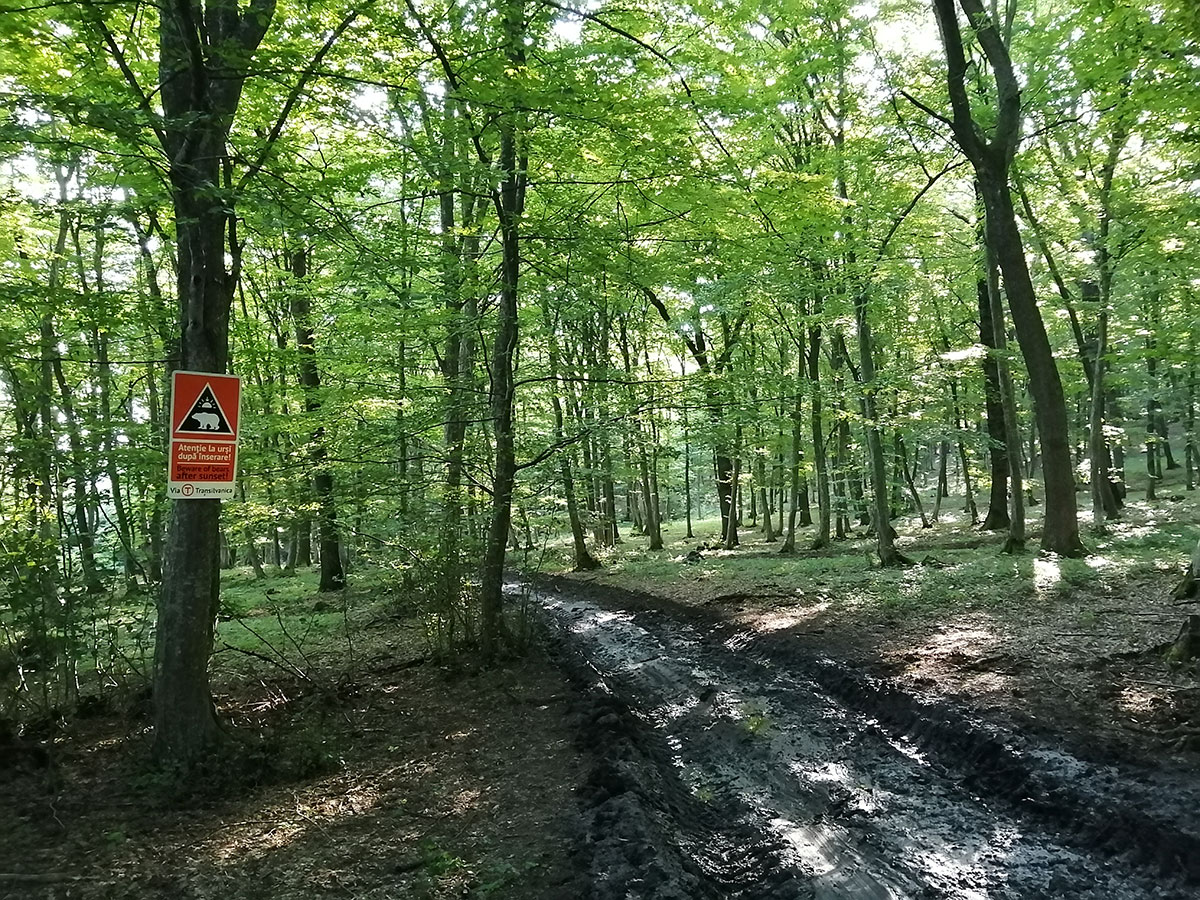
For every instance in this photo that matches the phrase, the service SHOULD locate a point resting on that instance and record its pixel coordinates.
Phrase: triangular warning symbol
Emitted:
(205, 416)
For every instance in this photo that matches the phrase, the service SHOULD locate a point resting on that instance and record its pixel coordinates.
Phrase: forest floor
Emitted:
(373, 772)
(741, 724)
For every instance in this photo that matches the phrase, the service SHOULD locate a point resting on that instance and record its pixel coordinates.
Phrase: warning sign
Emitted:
(204, 405)
(205, 408)
(206, 416)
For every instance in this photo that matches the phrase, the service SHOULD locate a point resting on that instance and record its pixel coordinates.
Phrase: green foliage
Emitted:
(711, 190)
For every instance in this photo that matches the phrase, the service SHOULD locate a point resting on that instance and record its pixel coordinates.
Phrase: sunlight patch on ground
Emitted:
(779, 620)
(464, 801)
(1131, 530)
(963, 653)
(812, 845)
(1046, 574)
(669, 712)
(598, 619)
(739, 641)
(989, 683)
(905, 747)
(826, 772)
(856, 786)
(953, 869)
(965, 640)
(1138, 700)
(282, 827)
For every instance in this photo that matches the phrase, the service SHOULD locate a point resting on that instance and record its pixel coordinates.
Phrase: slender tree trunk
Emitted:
(687, 472)
(997, 518)
(731, 518)
(969, 506)
(583, 559)
(943, 488)
(881, 514)
(79, 484)
(650, 513)
(820, 457)
(767, 526)
(1189, 446)
(509, 202)
(332, 576)
(1099, 471)
(1012, 436)
(907, 472)
(789, 540)
(154, 310)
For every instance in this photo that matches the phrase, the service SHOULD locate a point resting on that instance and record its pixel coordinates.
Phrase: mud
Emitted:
(740, 764)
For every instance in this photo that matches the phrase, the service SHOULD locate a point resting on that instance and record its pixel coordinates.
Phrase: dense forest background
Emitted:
(496, 273)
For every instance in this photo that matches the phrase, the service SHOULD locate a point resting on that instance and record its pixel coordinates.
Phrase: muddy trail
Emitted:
(737, 764)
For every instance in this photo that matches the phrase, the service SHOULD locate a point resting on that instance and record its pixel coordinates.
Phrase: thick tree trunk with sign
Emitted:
(203, 52)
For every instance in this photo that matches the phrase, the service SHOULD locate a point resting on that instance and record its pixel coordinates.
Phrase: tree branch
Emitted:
(297, 89)
(1008, 91)
(963, 124)
(118, 56)
(928, 110)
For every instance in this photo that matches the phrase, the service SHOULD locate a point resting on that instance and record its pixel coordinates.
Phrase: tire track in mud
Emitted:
(735, 764)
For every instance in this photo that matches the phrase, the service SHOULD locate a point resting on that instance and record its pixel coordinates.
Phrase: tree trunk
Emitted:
(509, 203)
(198, 111)
(820, 456)
(583, 559)
(943, 487)
(909, 482)
(881, 513)
(992, 160)
(154, 310)
(730, 520)
(1189, 445)
(1012, 436)
(333, 578)
(969, 506)
(767, 526)
(687, 473)
(997, 518)
(79, 485)
(789, 540)
(726, 475)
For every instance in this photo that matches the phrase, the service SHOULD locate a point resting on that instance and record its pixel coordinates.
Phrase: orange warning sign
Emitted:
(204, 429)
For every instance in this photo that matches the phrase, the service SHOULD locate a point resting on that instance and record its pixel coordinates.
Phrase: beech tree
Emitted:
(991, 149)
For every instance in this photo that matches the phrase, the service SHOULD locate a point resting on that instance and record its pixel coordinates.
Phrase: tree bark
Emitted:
(997, 518)
(992, 160)
(880, 506)
(583, 559)
(789, 540)
(1015, 542)
(333, 578)
(198, 110)
(509, 201)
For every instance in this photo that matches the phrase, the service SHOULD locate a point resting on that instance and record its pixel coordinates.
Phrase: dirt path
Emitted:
(739, 764)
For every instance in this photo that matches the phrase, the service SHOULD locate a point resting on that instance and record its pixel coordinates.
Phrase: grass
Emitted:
(952, 573)
(243, 594)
